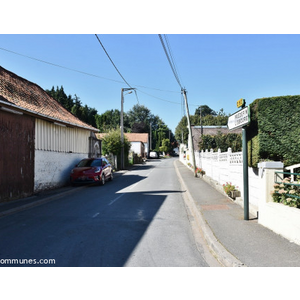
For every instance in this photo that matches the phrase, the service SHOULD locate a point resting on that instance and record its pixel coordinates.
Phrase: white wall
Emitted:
(52, 169)
(136, 147)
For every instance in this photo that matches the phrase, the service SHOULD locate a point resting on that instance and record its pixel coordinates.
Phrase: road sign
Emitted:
(240, 102)
(239, 119)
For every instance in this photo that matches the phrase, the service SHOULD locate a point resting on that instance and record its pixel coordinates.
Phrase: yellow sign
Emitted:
(240, 102)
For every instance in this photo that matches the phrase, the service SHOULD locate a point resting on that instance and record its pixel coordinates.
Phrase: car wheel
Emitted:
(111, 176)
(102, 179)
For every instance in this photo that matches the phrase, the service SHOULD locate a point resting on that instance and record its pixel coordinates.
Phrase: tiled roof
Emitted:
(137, 137)
(17, 91)
(132, 137)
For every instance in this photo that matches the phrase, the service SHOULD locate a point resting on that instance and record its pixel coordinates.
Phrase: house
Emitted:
(139, 142)
(40, 141)
(198, 131)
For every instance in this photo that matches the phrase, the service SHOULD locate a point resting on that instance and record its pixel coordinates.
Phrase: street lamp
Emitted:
(122, 124)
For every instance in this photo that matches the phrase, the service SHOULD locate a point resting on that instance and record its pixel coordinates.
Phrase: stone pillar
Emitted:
(267, 171)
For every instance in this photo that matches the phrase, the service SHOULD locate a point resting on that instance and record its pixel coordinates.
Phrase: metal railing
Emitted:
(286, 182)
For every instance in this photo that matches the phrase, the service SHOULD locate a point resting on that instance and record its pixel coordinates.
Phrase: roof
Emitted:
(17, 92)
(137, 137)
(132, 137)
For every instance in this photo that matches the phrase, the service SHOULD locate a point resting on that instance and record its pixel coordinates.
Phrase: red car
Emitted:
(91, 170)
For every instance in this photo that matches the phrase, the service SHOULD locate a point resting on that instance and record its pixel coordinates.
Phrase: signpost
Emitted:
(238, 120)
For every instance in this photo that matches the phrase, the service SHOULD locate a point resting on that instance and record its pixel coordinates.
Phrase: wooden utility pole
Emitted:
(190, 131)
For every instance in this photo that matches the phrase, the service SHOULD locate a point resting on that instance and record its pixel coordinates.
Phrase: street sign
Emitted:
(239, 119)
(240, 102)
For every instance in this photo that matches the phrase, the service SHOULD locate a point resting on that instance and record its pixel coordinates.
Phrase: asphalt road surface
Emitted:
(137, 220)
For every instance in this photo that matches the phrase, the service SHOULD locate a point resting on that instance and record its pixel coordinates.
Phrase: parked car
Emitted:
(97, 170)
(153, 154)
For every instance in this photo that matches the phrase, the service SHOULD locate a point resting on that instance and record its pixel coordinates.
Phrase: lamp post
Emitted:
(122, 124)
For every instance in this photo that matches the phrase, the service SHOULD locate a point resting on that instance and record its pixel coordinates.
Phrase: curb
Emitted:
(218, 250)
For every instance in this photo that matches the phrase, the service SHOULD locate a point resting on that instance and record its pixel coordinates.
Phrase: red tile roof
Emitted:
(19, 92)
(132, 137)
(137, 137)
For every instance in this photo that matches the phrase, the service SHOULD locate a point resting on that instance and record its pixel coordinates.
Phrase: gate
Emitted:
(16, 156)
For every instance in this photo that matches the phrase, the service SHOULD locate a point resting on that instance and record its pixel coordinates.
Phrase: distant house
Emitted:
(198, 131)
(139, 142)
(40, 141)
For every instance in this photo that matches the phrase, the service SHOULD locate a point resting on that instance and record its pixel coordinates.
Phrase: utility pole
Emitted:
(150, 148)
(190, 131)
(122, 125)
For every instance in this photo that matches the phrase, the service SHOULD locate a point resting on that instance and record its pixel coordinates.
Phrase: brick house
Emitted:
(40, 141)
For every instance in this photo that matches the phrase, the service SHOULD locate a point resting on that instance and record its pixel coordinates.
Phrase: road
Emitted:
(138, 220)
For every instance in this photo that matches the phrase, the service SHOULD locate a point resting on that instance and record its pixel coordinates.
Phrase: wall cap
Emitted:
(270, 165)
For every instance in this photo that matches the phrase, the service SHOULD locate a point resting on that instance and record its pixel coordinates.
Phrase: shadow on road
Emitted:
(98, 226)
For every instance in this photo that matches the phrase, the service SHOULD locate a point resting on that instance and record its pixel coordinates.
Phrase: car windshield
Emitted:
(90, 163)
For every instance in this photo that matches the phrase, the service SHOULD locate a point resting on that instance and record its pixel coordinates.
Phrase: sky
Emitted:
(215, 69)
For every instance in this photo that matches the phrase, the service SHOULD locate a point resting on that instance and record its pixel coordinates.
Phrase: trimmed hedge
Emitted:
(274, 131)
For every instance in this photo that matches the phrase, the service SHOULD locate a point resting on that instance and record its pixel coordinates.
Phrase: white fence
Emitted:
(228, 167)
(221, 167)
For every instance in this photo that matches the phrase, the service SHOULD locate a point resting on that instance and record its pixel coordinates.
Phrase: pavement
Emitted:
(235, 242)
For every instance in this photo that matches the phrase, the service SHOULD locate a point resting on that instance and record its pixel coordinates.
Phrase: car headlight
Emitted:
(98, 170)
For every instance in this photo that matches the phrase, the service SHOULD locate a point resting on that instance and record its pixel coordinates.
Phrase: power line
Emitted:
(112, 61)
(171, 55)
(117, 69)
(96, 76)
(172, 65)
(81, 72)
(59, 66)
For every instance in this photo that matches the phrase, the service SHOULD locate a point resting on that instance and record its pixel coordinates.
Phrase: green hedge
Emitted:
(274, 131)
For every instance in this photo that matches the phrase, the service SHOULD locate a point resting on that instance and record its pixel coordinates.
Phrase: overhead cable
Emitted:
(170, 62)
(112, 61)
(117, 68)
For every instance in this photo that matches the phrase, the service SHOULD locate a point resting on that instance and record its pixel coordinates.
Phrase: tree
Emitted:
(109, 120)
(181, 131)
(111, 143)
(205, 110)
(139, 114)
(221, 141)
(166, 146)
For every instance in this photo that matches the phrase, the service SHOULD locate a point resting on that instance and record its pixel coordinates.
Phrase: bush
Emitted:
(287, 193)
(221, 141)
(111, 143)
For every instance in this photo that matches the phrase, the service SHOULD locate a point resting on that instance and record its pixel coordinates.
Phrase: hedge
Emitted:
(274, 131)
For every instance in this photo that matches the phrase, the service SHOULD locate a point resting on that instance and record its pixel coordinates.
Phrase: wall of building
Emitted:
(57, 150)
(52, 169)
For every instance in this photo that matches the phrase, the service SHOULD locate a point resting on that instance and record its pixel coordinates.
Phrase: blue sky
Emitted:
(215, 69)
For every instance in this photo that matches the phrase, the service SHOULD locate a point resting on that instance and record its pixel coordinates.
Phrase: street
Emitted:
(138, 220)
